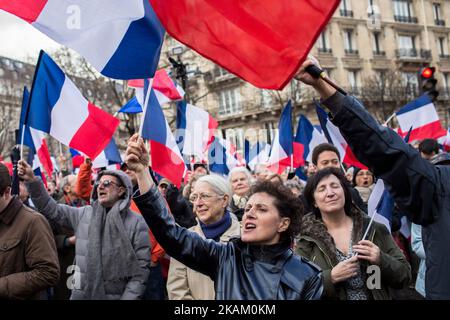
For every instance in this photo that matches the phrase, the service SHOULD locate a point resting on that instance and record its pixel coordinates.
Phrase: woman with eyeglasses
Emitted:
(332, 237)
(260, 265)
(210, 198)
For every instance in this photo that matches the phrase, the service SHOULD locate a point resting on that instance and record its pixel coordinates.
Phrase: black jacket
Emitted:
(236, 273)
(420, 189)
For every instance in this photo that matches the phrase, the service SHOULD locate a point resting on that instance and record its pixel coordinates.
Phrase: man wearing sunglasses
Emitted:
(112, 247)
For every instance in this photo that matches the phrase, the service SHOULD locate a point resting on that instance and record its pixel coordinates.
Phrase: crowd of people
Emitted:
(125, 234)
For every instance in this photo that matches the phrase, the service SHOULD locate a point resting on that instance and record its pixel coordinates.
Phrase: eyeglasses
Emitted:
(107, 183)
(203, 197)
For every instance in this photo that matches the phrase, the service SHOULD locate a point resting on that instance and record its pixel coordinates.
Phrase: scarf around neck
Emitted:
(217, 229)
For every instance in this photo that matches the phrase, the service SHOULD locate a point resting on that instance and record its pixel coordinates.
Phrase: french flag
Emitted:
(165, 88)
(381, 204)
(220, 159)
(165, 155)
(259, 153)
(132, 106)
(421, 115)
(58, 108)
(121, 39)
(282, 146)
(77, 158)
(307, 138)
(34, 139)
(109, 156)
(252, 39)
(335, 137)
(195, 129)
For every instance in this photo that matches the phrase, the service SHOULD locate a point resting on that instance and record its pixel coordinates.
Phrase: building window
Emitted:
(270, 131)
(377, 48)
(437, 13)
(266, 99)
(323, 43)
(445, 82)
(443, 47)
(346, 9)
(353, 80)
(403, 11)
(349, 44)
(411, 81)
(406, 46)
(229, 102)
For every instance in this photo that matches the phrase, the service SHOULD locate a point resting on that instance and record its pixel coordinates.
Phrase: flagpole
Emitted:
(145, 106)
(292, 162)
(60, 149)
(21, 142)
(389, 119)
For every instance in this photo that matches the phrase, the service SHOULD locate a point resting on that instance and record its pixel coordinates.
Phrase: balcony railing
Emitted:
(325, 50)
(346, 13)
(351, 51)
(439, 22)
(444, 56)
(407, 19)
(378, 53)
(413, 53)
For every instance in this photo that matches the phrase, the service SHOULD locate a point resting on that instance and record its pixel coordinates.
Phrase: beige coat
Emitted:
(184, 283)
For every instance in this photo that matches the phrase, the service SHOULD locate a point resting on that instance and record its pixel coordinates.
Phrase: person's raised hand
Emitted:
(137, 156)
(368, 251)
(25, 171)
(303, 76)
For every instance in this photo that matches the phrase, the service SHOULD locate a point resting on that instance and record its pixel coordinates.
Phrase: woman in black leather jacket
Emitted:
(258, 266)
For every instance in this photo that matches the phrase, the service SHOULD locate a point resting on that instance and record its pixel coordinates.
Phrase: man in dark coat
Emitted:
(419, 188)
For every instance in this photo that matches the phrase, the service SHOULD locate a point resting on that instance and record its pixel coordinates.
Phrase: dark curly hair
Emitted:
(314, 181)
(287, 204)
(5, 178)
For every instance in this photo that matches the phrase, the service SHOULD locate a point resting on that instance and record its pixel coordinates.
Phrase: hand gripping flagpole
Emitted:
(317, 73)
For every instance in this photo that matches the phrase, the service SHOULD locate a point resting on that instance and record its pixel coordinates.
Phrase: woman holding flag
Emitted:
(260, 265)
(332, 237)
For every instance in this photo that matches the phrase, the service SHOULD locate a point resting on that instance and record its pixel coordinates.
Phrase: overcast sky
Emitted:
(19, 40)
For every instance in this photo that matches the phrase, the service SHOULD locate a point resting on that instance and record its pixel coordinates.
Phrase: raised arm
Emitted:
(59, 214)
(183, 245)
(413, 181)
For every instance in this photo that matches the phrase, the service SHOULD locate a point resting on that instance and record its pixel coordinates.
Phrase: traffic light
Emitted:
(428, 82)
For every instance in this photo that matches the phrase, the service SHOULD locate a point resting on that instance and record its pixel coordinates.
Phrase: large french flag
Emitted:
(335, 137)
(57, 107)
(220, 159)
(165, 88)
(165, 155)
(121, 39)
(421, 115)
(34, 139)
(195, 129)
(252, 39)
(306, 139)
(282, 145)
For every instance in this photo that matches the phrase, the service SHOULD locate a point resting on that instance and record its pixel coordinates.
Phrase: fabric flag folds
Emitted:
(220, 160)
(282, 146)
(165, 155)
(195, 129)
(58, 108)
(381, 204)
(263, 42)
(110, 155)
(335, 137)
(421, 115)
(306, 139)
(34, 139)
(121, 39)
(132, 106)
(259, 153)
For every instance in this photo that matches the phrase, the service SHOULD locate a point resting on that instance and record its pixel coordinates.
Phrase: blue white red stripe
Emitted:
(335, 137)
(121, 39)
(306, 139)
(381, 204)
(421, 115)
(165, 155)
(220, 159)
(195, 129)
(57, 107)
(282, 145)
(258, 154)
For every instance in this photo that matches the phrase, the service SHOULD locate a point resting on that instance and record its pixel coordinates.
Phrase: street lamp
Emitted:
(179, 67)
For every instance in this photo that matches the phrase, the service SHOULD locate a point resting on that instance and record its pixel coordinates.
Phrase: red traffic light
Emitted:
(428, 72)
